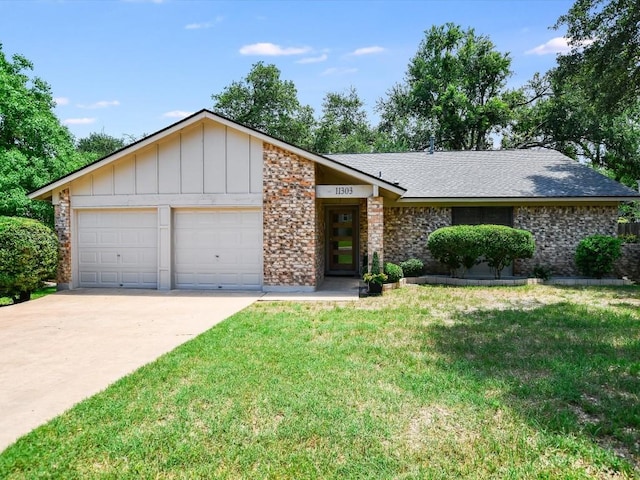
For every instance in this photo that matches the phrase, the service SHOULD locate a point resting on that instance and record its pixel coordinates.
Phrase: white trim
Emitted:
(174, 199)
(511, 200)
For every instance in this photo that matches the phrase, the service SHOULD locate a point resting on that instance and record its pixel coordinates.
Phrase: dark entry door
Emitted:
(342, 241)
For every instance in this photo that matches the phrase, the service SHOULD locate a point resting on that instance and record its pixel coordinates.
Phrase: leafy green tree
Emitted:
(554, 111)
(343, 127)
(265, 102)
(454, 90)
(98, 145)
(604, 58)
(28, 256)
(34, 147)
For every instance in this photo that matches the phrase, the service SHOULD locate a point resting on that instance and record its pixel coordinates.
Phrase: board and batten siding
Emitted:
(205, 164)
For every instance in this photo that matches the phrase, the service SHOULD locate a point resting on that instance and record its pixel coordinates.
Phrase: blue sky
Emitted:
(136, 66)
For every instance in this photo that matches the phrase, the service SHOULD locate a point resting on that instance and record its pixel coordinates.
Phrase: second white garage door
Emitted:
(218, 249)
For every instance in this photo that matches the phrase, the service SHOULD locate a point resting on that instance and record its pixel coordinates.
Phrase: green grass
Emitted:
(424, 382)
(37, 294)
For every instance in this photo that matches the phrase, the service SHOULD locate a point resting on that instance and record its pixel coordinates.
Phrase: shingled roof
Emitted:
(526, 174)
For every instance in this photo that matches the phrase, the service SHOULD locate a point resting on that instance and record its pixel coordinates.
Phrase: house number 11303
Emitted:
(344, 190)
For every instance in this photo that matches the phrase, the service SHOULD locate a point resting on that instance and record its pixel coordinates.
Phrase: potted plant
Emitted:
(375, 278)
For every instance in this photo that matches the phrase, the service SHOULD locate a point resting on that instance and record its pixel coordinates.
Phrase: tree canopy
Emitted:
(605, 56)
(454, 90)
(98, 145)
(265, 102)
(34, 147)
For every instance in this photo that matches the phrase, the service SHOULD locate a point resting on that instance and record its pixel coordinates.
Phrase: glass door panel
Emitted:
(342, 241)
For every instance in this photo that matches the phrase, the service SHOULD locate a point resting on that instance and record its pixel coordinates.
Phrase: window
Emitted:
(482, 216)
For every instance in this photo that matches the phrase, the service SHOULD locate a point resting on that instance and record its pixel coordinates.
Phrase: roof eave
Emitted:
(46, 190)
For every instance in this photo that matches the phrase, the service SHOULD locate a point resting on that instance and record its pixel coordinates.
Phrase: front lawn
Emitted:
(425, 382)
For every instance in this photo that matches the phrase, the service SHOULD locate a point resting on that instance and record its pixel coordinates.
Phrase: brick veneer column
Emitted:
(375, 228)
(289, 220)
(62, 212)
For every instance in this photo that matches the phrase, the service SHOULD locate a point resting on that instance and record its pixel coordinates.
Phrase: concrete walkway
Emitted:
(62, 348)
(333, 289)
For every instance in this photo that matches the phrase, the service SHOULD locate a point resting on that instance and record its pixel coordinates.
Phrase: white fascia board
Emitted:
(116, 156)
(228, 123)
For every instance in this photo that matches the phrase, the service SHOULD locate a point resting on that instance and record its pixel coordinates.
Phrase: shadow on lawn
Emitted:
(567, 368)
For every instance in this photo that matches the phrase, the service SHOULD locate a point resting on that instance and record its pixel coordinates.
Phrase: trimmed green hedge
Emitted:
(28, 256)
(463, 246)
(412, 267)
(394, 272)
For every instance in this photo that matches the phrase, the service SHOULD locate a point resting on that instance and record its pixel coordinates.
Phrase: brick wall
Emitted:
(289, 225)
(558, 230)
(406, 230)
(62, 213)
(629, 264)
(320, 242)
(375, 229)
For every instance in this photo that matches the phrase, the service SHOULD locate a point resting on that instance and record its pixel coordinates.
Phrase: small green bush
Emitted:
(456, 247)
(375, 263)
(412, 267)
(28, 256)
(595, 255)
(542, 271)
(394, 272)
(502, 245)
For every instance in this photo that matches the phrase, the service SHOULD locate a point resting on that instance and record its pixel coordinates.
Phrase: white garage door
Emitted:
(118, 248)
(218, 249)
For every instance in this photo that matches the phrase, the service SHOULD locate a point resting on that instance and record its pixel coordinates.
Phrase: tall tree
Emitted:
(605, 36)
(34, 147)
(265, 102)
(343, 126)
(98, 145)
(454, 90)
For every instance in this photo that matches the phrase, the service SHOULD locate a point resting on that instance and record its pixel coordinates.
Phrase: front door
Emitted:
(342, 241)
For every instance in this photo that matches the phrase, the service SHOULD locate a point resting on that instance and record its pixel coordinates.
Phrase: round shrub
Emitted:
(502, 245)
(394, 272)
(412, 267)
(595, 255)
(28, 256)
(456, 247)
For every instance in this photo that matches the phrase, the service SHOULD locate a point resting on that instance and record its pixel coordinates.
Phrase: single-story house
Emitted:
(207, 203)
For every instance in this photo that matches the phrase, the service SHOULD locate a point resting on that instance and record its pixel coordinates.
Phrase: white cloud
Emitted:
(319, 59)
(100, 104)
(272, 50)
(61, 101)
(176, 114)
(339, 71)
(201, 25)
(555, 45)
(79, 121)
(367, 50)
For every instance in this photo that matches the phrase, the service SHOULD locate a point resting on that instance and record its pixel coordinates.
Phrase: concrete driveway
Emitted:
(62, 348)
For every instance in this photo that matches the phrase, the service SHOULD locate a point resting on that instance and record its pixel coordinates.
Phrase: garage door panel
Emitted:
(117, 248)
(218, 249)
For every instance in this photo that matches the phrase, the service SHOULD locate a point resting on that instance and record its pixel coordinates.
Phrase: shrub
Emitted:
(412, 267)
(28, 256)
(542, 271)
(375, 276)
(464, 246)
(456, 247)
(502, 245)
(375, 263)
(596, 254)
(394, 272)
